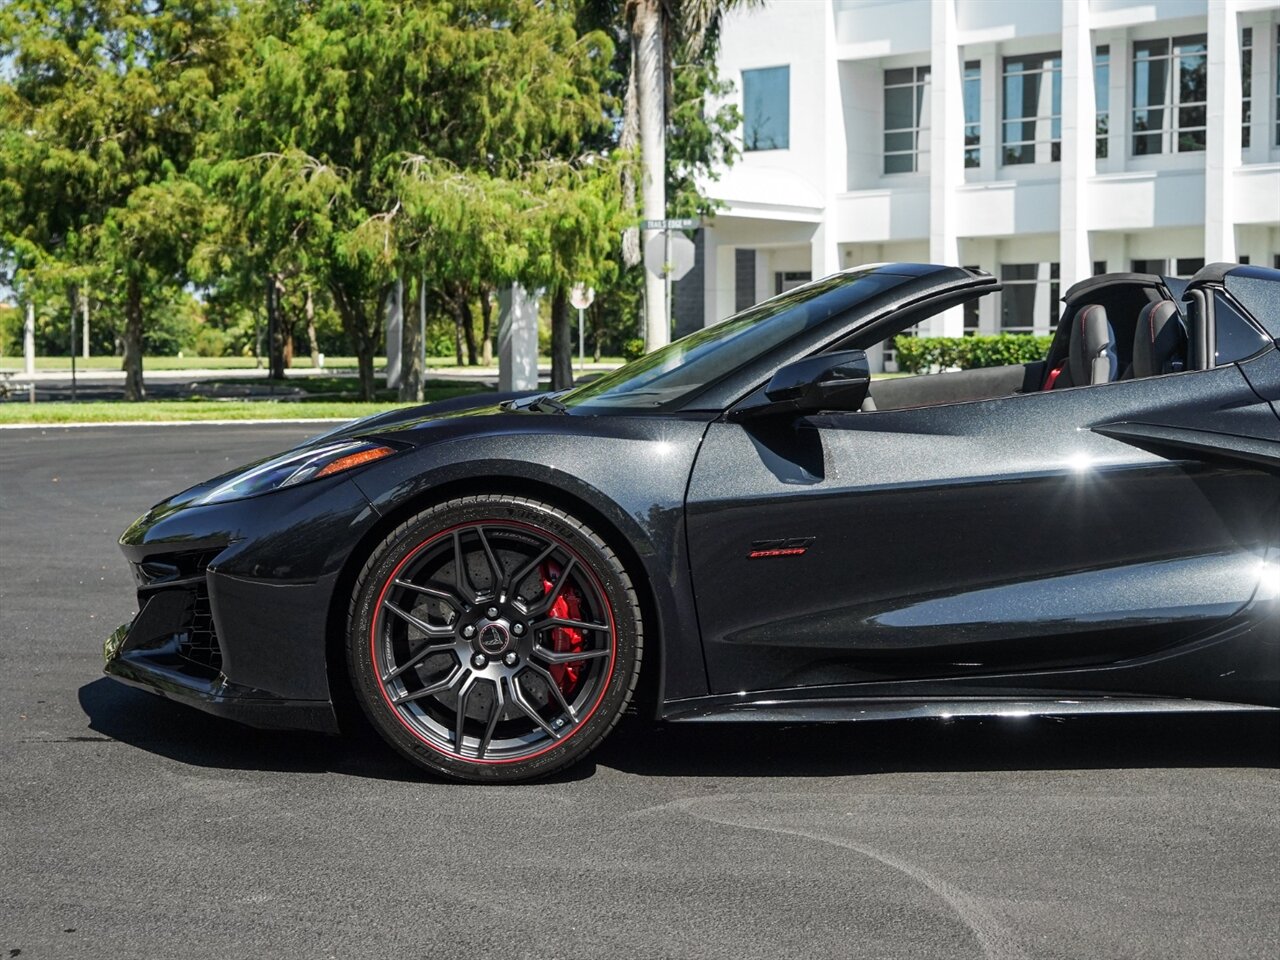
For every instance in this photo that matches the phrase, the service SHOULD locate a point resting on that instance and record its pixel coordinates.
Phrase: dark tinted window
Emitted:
(1238, 339)
(671, 375)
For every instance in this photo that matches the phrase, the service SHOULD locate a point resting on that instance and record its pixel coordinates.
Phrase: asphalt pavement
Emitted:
(134, 827)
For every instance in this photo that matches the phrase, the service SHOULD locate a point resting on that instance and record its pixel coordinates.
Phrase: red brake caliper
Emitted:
(568, 606)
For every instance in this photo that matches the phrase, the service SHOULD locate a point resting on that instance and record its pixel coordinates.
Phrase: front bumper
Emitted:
(234, 603)
(157, 671)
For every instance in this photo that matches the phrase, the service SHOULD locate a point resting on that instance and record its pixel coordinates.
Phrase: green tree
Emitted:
(100, 112)
(347, 109)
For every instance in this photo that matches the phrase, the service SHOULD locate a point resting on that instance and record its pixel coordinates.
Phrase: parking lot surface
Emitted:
(135, 827)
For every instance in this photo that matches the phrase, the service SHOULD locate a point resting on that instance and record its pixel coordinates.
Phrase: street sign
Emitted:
(683, 223)
(682, 253)
(582, 296)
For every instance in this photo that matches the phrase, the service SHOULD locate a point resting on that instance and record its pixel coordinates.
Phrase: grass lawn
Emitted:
(322, 407)
(303, 362)
(338, 388)
(151, 411)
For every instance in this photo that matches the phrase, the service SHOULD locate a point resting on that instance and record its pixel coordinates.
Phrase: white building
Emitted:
(1040, 140)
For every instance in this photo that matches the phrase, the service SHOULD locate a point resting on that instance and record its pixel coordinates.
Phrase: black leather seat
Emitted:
(1092, 354)
(1159, 341)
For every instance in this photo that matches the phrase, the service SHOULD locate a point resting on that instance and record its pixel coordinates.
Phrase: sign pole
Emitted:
(73, 352)
(582, 350)
(666, 272)
(420, 395)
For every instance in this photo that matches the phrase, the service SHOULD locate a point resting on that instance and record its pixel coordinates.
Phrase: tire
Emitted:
(494, 639)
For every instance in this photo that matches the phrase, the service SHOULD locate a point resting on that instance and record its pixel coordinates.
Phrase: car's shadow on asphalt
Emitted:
(641, 748)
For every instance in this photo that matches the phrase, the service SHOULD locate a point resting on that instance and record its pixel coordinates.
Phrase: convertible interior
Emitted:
(1113, 327)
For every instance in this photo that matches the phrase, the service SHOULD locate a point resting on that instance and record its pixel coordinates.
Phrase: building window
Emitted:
(766, 109)
(972, 112)
(1170, 82)
(1099, 267)
(1246, 87)
(971, 319)
(1033, 108)
(1029, 300)
(906, 119)
(1102, 97)
(744, 279)
(784, 280)
(1188, 266)
(1156, 267)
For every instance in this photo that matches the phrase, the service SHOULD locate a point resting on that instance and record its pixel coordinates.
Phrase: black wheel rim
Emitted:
(493, 642)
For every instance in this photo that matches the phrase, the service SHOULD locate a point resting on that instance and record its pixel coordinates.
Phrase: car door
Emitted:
(1008, 536)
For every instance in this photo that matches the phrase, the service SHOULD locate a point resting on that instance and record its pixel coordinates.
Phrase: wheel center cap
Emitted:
(493, 639)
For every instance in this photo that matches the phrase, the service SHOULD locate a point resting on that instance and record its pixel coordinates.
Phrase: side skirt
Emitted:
(717, 710)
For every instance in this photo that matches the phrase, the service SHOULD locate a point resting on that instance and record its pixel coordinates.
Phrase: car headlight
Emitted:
(297, 466)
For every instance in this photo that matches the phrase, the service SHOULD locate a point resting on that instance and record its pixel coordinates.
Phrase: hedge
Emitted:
(932, 354)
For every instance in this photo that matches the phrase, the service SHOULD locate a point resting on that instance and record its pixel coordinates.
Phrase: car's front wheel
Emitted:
(494, 638)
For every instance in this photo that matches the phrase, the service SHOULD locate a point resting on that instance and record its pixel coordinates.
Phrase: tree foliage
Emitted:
(179, 159)
(99, 122)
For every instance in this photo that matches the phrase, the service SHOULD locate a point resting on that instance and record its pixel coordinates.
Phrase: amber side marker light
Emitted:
(354, 460)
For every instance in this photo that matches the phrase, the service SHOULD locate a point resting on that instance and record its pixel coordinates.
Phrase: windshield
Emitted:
(669, 377)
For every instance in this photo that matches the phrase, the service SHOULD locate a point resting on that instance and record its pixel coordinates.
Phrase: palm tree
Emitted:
(660, 30)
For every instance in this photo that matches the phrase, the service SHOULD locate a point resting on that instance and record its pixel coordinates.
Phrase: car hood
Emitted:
(407, 423)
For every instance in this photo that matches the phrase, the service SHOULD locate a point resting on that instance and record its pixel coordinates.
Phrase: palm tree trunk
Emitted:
(648, 43)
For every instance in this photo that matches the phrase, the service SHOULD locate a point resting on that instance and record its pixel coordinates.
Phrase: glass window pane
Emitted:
(1020, 154)
(903, 75)
(899, 163)
(1192, 79)
(899, 108)
(1028, 97)
(922, 104)
(766, 108)
(1018, 271)
(1190, 142)
(972, 94)
(898, 142)
(1144, 120)
(1149, 80)
(1147, 143)
(1146, 49)
(1190, 117)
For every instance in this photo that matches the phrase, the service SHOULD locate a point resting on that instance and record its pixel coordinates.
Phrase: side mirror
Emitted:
(830, 381)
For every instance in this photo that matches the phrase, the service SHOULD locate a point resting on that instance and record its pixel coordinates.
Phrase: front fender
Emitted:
(631, 471)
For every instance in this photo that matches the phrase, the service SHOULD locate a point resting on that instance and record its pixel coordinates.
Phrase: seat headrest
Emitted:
(1092, 354)
(1159, 339)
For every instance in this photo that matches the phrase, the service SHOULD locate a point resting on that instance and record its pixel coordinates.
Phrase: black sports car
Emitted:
(746, 526)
